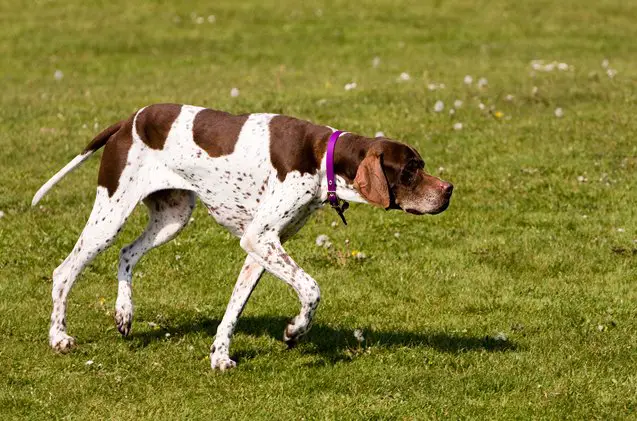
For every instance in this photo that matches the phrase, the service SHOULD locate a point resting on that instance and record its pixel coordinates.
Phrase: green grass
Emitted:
(525, 250)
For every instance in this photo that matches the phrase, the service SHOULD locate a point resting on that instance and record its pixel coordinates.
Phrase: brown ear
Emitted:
(371, 183)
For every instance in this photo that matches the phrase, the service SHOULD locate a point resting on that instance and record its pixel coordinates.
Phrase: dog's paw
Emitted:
(289, 338)
(61, 342)
(123, 320)
(296, 328)
(221, 362)
(124, 308)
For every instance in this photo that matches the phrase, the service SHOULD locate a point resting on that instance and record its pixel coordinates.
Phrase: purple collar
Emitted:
(331, 178)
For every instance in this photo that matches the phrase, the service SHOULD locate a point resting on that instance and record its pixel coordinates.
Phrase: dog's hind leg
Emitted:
(105, 221)
(169, 211)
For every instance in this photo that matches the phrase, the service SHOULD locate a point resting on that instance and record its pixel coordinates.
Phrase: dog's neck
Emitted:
(349, 152)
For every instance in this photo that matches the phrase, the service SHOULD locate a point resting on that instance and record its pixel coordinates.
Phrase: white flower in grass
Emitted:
(582, 179)
(58, 75)
(177, 257)
(563, 66)
(534, 91)
(537, 65)
(621, 230)
(432, 86)
(89, 362)
(350, 86)
(404, 76)
(452, 111)
(321, 240)
(167, 335)
(441, 170)
(605, 63)
(379, 134)
(1, 214)
(482, 106)
(458, 103)
(559, 113)
(376, 61)
(397, 234)
(483, 82)
(611, 73)
(509, 98)
(212, 19)
(334, 224)
(199, 20)
(500, 337)
(439, 106)
(468, 80)
(358, 335)
(457, 126)
(234, 92)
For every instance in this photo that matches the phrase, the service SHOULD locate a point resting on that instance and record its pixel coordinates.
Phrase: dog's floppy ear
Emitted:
(371, 182)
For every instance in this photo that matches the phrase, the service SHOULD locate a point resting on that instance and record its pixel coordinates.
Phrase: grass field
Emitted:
(519, 302)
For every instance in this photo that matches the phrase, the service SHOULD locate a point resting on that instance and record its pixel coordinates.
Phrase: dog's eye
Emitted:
(408, 176)
(409, 173)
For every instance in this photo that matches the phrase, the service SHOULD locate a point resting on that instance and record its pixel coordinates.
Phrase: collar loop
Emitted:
(335, 202)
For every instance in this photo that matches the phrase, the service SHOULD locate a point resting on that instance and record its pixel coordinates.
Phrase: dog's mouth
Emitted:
(435, 211)
(441, 209)
(414, 211)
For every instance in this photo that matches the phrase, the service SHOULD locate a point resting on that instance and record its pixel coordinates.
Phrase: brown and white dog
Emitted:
(259, 175)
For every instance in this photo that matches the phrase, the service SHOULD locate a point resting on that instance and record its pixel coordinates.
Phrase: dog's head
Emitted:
(392, 176)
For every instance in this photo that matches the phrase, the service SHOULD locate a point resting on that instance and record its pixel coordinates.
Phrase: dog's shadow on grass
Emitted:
(332, 344)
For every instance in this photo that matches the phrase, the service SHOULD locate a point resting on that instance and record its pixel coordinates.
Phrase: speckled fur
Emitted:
(243, 192)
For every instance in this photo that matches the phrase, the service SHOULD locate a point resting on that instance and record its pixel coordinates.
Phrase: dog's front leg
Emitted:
(268, 252)
(247, 280)
(286, 204)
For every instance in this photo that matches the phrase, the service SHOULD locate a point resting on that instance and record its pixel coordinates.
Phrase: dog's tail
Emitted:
(98, 142)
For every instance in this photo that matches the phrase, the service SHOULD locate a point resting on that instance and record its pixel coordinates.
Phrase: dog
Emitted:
(259, 175)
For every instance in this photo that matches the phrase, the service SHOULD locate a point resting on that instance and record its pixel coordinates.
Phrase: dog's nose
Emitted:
(447, 188)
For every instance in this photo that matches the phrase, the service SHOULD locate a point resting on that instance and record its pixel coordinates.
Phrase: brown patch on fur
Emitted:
(115, 156)
(154, 122)
(296, 145)
(217, 132)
